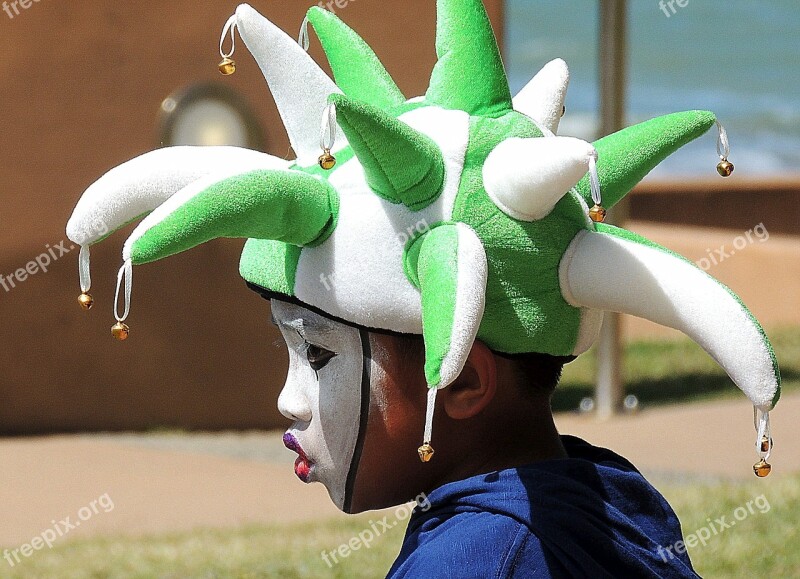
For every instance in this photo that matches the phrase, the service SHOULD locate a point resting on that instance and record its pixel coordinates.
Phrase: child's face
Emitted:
(343, 384)
(322, 395)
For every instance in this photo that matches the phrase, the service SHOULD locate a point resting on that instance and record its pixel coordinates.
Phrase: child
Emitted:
(507, 496)
(449, 244)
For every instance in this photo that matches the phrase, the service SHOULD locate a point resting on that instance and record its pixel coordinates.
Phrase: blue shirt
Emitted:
(590, 515)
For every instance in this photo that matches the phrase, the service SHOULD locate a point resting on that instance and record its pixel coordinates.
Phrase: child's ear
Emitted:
(474, 388)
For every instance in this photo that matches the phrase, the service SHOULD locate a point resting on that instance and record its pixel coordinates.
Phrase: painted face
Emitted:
(327, 395)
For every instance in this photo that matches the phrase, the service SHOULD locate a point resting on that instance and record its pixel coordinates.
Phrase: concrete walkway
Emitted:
(710, 440)
(164, 483)
(153, 489)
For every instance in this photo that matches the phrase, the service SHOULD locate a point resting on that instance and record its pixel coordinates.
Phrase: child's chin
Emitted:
(337, 496)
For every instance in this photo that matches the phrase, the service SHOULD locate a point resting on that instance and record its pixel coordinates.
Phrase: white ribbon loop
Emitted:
(761, 420)
(83, 269)
(327, 137)
(302, 38)
(594, 180)
(429, 414)
(723, 145)
(125, 274)
(230, 25)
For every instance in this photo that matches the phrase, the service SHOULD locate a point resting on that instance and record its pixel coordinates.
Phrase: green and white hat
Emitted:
(455, 215)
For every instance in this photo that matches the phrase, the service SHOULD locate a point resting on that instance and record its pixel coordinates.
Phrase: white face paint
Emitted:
(323, 396)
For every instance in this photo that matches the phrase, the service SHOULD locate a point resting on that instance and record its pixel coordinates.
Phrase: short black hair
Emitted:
(535, 373)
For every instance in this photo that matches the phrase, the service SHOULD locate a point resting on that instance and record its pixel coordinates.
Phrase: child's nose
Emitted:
(292, 403)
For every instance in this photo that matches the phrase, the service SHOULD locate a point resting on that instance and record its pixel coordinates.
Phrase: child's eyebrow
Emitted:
(300, 325)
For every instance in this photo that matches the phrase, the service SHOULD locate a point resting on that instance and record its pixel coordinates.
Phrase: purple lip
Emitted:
(302, 466)
(290, 442)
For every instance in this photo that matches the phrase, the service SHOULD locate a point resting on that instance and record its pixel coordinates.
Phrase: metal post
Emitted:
(613, 64)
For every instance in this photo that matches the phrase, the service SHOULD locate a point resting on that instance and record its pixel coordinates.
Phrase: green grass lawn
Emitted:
(284, 551)
(762, 544)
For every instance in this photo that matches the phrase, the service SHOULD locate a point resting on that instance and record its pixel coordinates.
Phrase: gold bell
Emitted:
(86, 301)
(227, 66)
(725, 168)
(762, 468)
(326, 160)
(598, 213)
(766, 444)
(425, 452)
(120, 331)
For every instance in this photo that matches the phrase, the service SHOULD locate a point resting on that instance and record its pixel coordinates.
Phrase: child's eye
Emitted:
(318, 357)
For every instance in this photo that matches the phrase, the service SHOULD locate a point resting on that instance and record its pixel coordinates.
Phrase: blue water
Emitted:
(737, 58)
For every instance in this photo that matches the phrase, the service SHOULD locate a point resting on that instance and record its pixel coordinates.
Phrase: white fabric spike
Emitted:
(137, 187)
(543, 97)
(470, 302)
(527, 177)
(609, 273)
(299, 86)
(178, 200)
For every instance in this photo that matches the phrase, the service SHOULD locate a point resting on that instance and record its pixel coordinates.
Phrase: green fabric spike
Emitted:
(627, 156)
(356, 68)
(287, 206)
(402, 165)
(469, 74)
(270, 264)
(431, 264)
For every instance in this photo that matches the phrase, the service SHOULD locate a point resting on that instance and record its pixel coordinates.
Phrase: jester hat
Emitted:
(455, 215)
